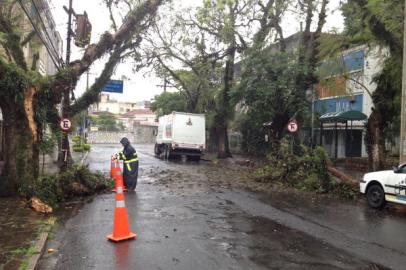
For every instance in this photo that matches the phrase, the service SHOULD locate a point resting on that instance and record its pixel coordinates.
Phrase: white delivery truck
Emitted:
(180, 134)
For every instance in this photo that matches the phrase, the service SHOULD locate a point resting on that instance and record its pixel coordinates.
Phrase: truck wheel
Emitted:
(167, 152)
(376, 196)
(157, 150)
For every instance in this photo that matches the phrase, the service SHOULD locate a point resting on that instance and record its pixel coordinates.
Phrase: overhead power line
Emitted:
(45, 30)
(55, 61)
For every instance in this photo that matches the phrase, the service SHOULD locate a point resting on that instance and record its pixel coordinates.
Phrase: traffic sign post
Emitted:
(65, 124)
(292, 126)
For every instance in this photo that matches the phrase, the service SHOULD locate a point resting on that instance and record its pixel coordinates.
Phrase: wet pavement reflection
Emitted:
(184, 220)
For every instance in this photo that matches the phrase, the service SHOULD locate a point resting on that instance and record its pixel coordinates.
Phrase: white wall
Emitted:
(374, 62)
(112, 107)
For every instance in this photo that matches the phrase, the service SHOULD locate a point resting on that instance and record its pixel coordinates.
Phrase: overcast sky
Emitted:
(142, 86)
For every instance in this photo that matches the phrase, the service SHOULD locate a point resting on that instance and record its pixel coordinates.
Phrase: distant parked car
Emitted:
(385, 186)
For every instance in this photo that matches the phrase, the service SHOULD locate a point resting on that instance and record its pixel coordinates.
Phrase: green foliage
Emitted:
(76, 139)
(167, 102)
(106, 122)
(77, 121)
(300, 167)
(78, 145)
(47, 144)
(13, 82)
(345, 191)
(78, 148)
(269, 91)
(54, 189)
(370, 22)
(24, 255)
(87, 147)
(304, 169)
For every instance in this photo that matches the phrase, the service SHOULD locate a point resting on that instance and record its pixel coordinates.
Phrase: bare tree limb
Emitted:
(174, 76)
(109, 4)
(28, 38)
(107, 42)
(91, 95)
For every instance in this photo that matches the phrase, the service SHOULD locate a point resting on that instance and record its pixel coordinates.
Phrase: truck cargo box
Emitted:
(181, 134)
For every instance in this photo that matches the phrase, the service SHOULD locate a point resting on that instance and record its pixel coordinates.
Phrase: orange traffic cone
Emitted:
(114, 166)
(121, 227)
(117, 171)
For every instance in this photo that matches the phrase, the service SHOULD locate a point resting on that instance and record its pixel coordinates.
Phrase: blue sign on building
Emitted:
(114, 86)
(339, 104)
(352, 61)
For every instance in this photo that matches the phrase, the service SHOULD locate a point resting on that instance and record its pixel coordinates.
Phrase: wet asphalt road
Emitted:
(183, 222)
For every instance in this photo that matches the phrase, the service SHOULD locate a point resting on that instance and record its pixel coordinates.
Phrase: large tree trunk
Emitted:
(212, 145)
(222, 135)
(224, 109)
(375, 142)
(21, 153)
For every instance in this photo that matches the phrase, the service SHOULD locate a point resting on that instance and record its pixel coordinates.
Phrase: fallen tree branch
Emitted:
(342, 176)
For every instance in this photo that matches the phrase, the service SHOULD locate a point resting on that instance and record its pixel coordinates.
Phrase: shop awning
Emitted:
(343, 116)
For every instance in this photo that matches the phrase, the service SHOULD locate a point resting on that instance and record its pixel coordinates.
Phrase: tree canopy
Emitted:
(168, 102)
(28, 100)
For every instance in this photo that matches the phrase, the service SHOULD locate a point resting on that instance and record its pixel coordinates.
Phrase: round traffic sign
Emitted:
(292, 126)
(65, 124)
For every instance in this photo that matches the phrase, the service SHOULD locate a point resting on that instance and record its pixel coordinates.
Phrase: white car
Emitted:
(385, 186)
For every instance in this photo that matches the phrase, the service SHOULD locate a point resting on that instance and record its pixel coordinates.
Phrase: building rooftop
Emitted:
(135, 112)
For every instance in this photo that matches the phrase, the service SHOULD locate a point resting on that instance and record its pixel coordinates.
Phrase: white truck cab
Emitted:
(385, 186)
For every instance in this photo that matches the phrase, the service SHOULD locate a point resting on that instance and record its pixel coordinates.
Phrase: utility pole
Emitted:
(402, 141)
(165, 85)
(65, 151)
(85, 111)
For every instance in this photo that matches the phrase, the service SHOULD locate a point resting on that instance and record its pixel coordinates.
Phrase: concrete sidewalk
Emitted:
(19, 229)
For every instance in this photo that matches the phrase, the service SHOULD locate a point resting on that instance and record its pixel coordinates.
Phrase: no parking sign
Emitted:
(292, 126)
(65, 124)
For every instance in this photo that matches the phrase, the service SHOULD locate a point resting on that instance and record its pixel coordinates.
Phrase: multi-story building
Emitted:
(343, 99)
(48, 57)
(46, 42)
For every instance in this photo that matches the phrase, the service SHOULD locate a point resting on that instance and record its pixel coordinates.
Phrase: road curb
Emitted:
(39, 248)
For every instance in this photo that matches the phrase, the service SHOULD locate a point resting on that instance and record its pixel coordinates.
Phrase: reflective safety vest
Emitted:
(129, 161)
